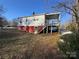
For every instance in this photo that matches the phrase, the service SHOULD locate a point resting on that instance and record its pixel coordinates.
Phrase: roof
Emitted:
(41, 14)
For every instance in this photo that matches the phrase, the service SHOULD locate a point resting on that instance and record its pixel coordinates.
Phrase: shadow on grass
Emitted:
(10, 33)
(9, 36)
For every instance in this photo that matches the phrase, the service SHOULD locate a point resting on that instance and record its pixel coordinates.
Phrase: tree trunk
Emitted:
(77, 37)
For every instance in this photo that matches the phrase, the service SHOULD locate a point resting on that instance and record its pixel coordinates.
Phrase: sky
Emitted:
(18, 8)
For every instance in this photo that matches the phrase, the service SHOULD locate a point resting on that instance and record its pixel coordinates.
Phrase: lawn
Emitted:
(16, 44)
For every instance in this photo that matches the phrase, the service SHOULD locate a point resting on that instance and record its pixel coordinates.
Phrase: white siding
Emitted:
(38, 20)
(19, 24)
(22, 22)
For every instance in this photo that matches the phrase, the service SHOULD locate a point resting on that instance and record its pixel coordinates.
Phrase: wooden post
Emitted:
(43, 31)
(47, 29)
(47, 26)
(58, 25)
(51, 29)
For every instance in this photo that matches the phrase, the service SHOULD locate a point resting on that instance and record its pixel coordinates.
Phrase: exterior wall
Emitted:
(28, 24)
(36, 23)
(21, 24)
(36, 20)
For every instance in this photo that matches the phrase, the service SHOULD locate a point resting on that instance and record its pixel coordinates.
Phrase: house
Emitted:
(39, 23)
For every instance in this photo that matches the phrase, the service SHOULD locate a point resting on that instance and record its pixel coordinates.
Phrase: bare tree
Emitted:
(14, 22)
(3, 20)
(71, 7)
(1, 10)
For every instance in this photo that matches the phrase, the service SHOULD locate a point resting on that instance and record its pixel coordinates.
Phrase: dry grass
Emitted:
(21, 45)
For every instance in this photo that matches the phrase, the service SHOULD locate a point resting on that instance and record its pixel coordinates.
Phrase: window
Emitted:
(26, 20)
(35, 19)
(20, 21)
